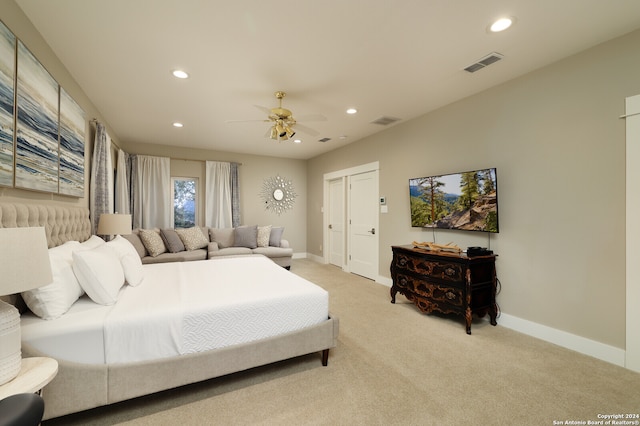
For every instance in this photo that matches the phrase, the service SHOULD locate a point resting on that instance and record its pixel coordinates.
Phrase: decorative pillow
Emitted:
(129, 259)
(93, 242)
(136, 242)
(152, 242)
(172, 240)
(193, 238)
(246, 236)
(222, 236)
(276, 236)
(100, 273)
(53, 300)
(264, 232)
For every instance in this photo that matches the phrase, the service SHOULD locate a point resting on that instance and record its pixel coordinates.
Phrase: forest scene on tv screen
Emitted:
(465, 201)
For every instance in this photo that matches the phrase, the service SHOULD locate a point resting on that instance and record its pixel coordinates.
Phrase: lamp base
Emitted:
(10, 344)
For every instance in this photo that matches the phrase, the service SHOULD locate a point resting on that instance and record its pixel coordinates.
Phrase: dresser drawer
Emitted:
(447, 271)
(448, 298)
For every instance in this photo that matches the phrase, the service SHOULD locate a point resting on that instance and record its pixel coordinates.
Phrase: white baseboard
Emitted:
(561, 338)
(576, 343)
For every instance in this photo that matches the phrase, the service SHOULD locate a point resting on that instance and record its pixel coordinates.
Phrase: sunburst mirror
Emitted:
(278, 194)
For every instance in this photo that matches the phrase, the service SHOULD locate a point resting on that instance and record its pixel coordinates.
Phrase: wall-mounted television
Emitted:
(466, 201)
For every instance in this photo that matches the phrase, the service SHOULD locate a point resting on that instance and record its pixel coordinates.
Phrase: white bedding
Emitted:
(180, 308)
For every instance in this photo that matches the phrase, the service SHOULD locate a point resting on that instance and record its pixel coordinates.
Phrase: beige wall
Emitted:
(559, 146)
(12, 16)
(254, 170)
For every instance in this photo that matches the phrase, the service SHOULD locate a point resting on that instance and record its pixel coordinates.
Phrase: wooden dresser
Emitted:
(445, 282)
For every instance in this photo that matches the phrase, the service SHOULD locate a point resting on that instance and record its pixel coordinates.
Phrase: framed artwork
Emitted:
(7, 74)
(72, 131)
(37, 154)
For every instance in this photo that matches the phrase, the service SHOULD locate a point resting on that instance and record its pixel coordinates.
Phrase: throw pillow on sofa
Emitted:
(152, 242)
(222, 236)
(264, 233)
(246, 236)
(276, 236)
(192, 238)
(172, 240)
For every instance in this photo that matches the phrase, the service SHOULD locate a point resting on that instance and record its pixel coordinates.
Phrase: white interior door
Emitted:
(336, 222)
(363, 224)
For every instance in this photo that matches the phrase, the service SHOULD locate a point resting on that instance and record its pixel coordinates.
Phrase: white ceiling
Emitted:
(400, 58)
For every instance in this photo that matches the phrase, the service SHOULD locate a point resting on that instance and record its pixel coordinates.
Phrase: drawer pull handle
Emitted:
(450, 295)
(450, 272)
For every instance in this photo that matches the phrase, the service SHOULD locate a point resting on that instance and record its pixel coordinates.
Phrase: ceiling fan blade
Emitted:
(305, 129)
(311, 117)
(263, 109)
(247, 121)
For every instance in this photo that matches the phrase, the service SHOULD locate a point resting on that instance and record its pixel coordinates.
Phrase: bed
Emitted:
(173, 329)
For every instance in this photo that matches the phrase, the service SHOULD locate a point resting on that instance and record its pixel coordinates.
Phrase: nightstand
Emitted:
(35, 374)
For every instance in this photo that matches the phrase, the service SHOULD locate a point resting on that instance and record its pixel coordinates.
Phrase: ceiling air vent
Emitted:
(484, 62)
(385, 121)
(324, 140)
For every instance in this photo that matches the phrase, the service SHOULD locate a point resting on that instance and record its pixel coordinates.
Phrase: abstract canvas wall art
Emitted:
(37, 125)
(7, 74)
(72, 132)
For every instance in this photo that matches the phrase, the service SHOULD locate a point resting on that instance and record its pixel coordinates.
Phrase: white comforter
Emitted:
(187, 307)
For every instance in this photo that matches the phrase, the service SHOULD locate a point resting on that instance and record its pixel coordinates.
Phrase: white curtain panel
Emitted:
(218, 195)
(122, 184)
(101, 186)
(152, 192)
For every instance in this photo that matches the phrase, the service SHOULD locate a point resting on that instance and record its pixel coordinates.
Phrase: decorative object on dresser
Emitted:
(445, 282)
(24, 262)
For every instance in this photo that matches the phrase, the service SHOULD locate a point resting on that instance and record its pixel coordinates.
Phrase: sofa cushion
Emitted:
(193, 238)
(264, 234)
(152, 242)
(172, 240)
(276, 236)
(246, 236)
(272, 252)
(222, 236)
(181, 256)
(230, 251)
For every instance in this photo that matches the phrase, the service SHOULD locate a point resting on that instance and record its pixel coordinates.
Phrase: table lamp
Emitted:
(114, 224)
(24, 265)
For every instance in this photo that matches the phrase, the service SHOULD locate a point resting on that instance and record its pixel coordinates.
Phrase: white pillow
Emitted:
(93, 242)
(264, 232)
(100, 273)
(53, 300)
(129, 259)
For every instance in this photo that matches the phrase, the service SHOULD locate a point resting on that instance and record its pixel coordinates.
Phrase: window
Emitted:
(185, 207)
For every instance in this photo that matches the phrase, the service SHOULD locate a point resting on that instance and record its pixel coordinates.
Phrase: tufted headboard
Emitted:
(61, 224)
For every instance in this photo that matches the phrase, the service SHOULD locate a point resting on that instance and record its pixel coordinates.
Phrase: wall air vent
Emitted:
(484, 62)
(324, 140)
(385, 121)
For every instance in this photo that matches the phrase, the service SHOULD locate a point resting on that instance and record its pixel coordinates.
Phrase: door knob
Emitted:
(330, 226)
(373, 231)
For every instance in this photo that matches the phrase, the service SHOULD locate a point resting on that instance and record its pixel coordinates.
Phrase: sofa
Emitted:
(200, 243)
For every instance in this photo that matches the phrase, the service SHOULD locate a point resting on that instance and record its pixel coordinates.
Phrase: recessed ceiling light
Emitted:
(297, 140)
(501, 24)
(176, 124)
(180, 74)
(352, 111)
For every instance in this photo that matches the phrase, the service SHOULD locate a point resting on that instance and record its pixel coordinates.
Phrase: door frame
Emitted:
(344, 174)
(632, 346)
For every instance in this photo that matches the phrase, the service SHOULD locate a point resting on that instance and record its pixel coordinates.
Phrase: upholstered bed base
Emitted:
(79, 387)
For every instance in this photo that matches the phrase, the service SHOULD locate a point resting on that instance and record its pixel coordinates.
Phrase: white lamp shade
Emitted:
(24, 259)
(114, 224)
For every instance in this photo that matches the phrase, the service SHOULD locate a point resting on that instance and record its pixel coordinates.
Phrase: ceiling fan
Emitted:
(283, 124)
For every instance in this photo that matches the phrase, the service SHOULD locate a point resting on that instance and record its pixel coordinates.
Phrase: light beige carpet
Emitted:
(395, 366)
